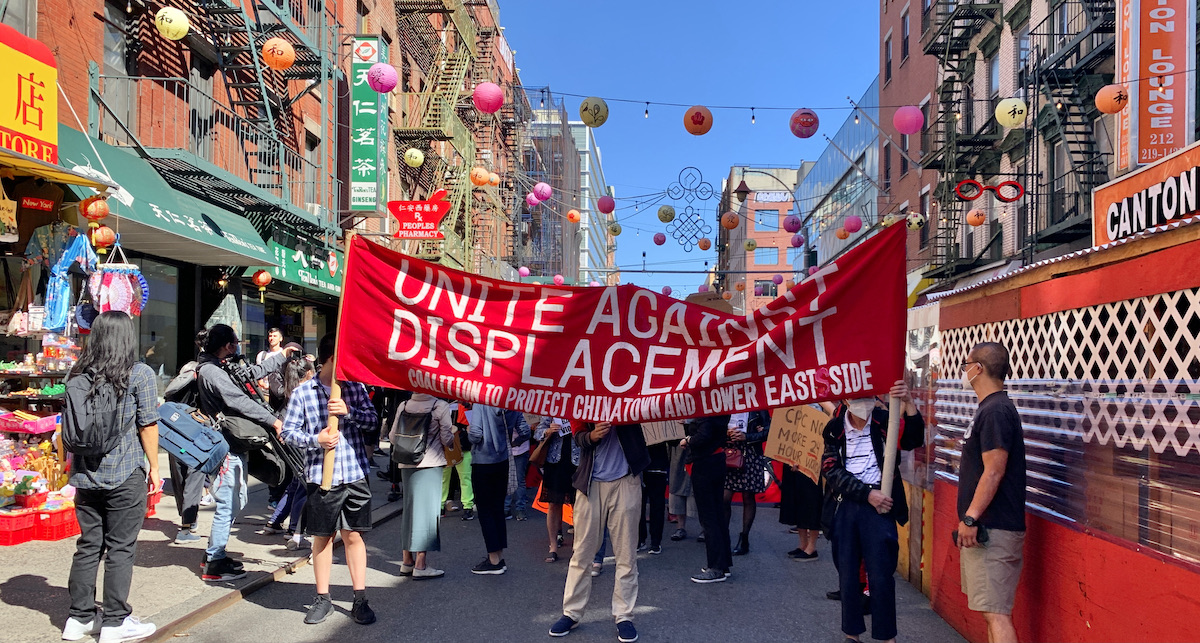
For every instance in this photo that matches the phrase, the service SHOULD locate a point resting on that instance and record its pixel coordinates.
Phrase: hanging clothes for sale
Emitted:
(119, 285)
(48, 244)
(58, 291)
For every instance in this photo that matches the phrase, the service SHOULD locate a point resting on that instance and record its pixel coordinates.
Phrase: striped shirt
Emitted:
(860, 454)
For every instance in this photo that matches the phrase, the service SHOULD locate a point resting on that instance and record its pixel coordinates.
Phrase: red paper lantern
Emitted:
(278, 54)
(262, 279)
(704, 243)
(573, 216)
(94, 209)
(103, 237)
(698, 120)
(730, 220)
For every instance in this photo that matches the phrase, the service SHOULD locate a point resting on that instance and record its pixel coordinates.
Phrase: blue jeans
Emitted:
(518, 500)
(229, 490)
(291, 505)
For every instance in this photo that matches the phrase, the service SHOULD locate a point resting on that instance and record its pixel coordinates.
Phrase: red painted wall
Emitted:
(1074, 586)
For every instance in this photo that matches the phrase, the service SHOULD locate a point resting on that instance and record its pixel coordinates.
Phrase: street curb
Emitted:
(180, 625)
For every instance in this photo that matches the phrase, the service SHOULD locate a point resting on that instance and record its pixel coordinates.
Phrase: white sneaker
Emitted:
(75, 630)
(427, 573)
(207, 500)
(130, 629)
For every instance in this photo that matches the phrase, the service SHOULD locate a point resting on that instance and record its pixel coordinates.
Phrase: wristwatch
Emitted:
(970, 522)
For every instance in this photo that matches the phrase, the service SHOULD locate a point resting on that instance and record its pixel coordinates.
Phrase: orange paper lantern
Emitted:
(493, 179)
(1112, 99)
(740, 286)
(479, 177)
(278, 54)
(704, 244)
(730, 220)
(842, 234)
(573, 216)
(94, 209)
(727, 296)
(102, 238)
(698, 120)
(976, 218)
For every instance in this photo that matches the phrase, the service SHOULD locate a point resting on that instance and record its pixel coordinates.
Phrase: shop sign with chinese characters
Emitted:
(28, 96)
(420, 219)
(368, 128)
(316, 268)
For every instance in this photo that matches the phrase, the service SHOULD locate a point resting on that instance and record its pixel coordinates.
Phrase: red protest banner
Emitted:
(621, 353)
(420, 219)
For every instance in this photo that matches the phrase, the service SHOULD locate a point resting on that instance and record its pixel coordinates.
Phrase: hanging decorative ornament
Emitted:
(797, 241)
(531, 200)
(479, 177)
(94, 209)
(493, 179)
(666, 214)
(1112, 99)
(593, 111)
(488, 98)
(262, 279)
(704, 243)
(750, 245)
(172, 23)
(543, 191)
(573, 216)
(726, 296)
(777, 278)
(666, 291)
(702, 288)
(606, 204)
(915, 221)
(593, 283)
(659, 238)
(741, 285)
(853, 224)
(414, 157)
(976, 217)
(697, 120)
(758, 291)
(278, 54)
(792, 223)
(558, 280)
(1011, 112)
(523, 271)
(908, 120)
(382, 77)
(842, 234)
(804, 122)
(730, 220)
(614, 229)
(102, 238)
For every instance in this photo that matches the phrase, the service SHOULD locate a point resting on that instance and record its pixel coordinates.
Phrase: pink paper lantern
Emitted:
(542, 191)
(531, 199)
(758, 291)
(778, 279)
(908, 120)
(804, 122)
(853, 224)
(523, 271)
(666, 291)
(558, 280)
(488, 98)
(702, 288)
(606, 204)
(594, 283)
(382, 77)
(797, 241)
(792, 223)
(659, 239)
(812, 270)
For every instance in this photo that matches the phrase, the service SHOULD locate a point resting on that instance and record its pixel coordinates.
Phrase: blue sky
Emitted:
(778, 53)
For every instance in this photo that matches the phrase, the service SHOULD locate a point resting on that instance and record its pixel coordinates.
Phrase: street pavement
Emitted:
(769, 598)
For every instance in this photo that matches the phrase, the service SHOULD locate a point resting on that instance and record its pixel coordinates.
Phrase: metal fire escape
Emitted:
(1064, 160)
(432, 118)
(956, 142)
(514, 120)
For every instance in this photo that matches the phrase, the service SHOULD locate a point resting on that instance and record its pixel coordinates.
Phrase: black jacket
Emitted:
(840, 482)
(757, 428)
(633, 444)
(706, 436)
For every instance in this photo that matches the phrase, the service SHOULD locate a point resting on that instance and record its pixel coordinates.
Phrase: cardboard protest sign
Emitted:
(795, 438)
(656, 432)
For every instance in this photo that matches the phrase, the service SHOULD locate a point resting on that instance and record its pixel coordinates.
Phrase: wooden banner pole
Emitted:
(336, 388)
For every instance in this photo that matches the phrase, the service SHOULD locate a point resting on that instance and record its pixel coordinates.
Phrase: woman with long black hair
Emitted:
(110, 503)
(295, 371)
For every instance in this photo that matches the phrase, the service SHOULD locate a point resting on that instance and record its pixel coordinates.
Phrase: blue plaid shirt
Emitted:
(139, 408)
(307, 415)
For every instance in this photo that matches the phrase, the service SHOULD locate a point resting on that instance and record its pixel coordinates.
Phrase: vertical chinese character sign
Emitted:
(368, 123)
(28, 96)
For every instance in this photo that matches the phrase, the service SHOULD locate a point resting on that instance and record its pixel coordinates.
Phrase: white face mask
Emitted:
(861, 408)
(968, 380)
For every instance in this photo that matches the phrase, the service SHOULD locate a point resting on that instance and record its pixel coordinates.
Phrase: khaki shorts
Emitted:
(990, 572)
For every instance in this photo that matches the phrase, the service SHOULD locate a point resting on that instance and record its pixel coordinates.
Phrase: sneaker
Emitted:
(485, 566)
(320, 609)
(223, 569)
(835, 595)
(655, 549)
(361, 612)
(679, 535)
(626, 632)
(563, 626)
(794, 530)
(709, 576)
(641, 547)
(76, 629)
(302, 543)
(271, 530)
(186, 536)
(700, 538)
(208, 500)
(509, 516)
(427, 573)
(393, 496)
(130, 629)
(468, 514)
(597, 568)
(802, 556)
(271, 505)
(521, 517)
(406, 570)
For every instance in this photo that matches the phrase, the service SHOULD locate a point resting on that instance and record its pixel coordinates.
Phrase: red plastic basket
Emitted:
(56, 525)
(15, 536)
(16, 528)
(32, 500)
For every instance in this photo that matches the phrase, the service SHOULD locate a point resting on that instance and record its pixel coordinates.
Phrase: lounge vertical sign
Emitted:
(368, 127)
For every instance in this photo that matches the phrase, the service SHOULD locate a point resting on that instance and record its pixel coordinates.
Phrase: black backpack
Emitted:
(92, 424)
(409, 436)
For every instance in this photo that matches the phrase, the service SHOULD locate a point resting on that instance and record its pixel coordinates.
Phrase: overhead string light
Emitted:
(856, 116)
(751, 115)
(647, 109)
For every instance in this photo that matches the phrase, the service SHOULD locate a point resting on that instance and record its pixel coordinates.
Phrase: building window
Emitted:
(993, 80)
(766, 256)
(312, 168)
(904, 37)
(1022, 55)
(887, 61)
(766, 287)
(766, 220)
(120, 97)
(926, 15)
(20, 15)
(158, 325)
(887, 168)
(928, 132)
(903, 154)
(926, 211)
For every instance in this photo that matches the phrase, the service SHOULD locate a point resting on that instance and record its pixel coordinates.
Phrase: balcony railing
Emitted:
(172, 116)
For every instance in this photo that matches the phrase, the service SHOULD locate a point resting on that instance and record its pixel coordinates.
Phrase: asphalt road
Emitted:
(770, 597)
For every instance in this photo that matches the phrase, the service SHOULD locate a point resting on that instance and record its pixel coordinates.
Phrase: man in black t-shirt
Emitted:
(991, 493)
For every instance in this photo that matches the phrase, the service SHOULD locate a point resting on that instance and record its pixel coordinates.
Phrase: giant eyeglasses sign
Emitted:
(28, 96)
(1007, 191)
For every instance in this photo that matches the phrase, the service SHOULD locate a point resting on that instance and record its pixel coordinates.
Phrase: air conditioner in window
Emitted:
(317, 210)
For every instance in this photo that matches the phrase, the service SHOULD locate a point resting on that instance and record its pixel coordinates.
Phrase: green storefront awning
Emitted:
(155, 219)
(319, 269)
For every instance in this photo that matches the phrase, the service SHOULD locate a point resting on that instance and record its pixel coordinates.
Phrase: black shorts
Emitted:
(344, 507)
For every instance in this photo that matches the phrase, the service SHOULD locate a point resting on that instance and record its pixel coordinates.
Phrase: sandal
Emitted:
(552, 557)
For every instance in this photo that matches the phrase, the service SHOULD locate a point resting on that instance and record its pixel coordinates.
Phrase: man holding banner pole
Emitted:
(862, 527)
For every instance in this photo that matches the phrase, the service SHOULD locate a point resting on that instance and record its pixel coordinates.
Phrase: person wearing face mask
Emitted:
(863, 524)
